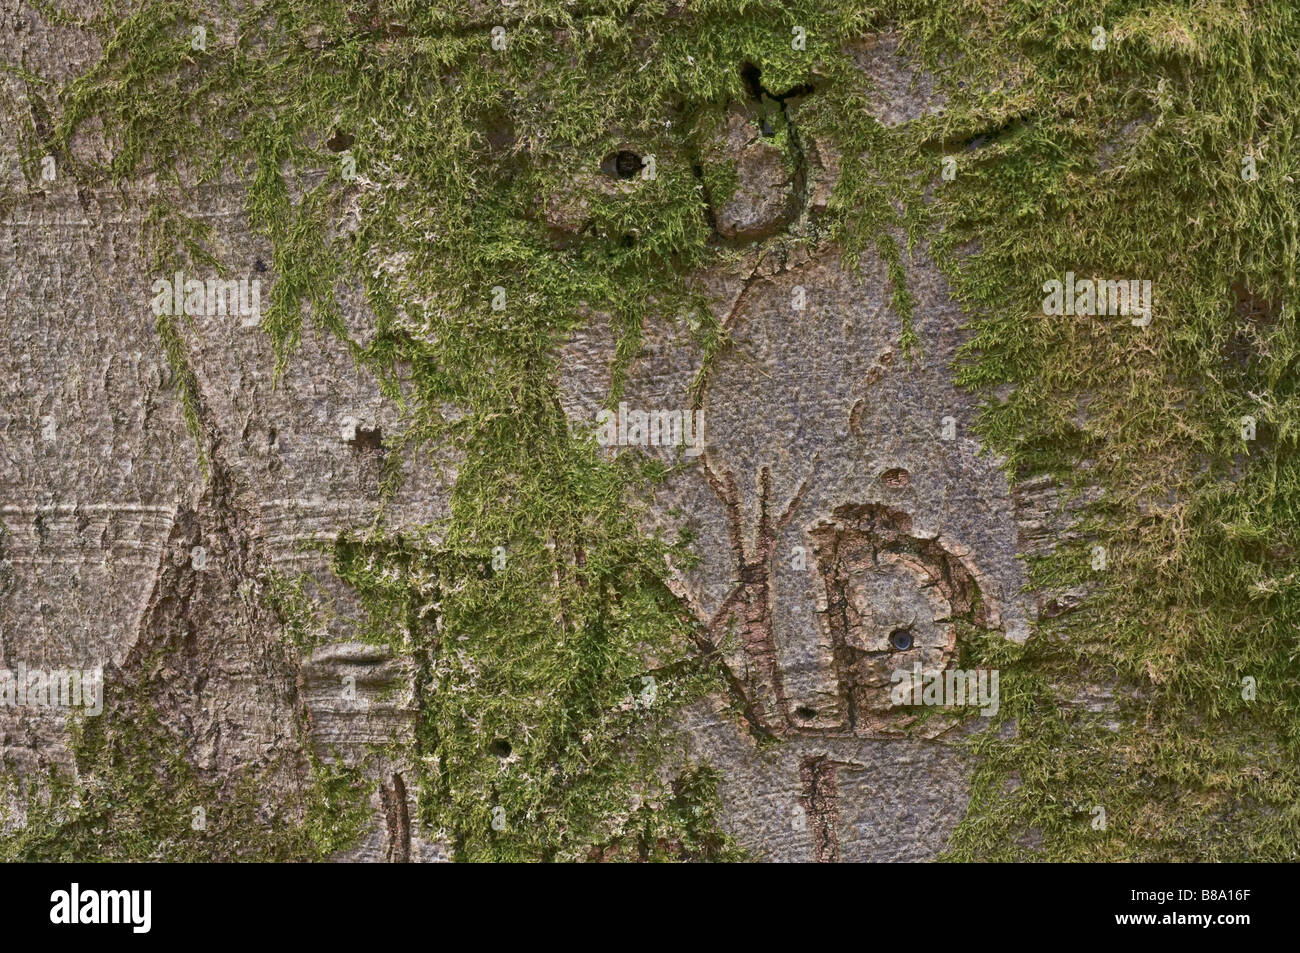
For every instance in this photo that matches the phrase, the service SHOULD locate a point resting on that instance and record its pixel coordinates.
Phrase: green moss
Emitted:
(138, 798)
(536, 619)
(300, 607)
(1126, 163)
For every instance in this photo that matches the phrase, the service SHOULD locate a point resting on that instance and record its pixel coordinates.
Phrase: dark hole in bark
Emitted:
(501, 748)
(627, 164)
(624, 164)
(259, 266)
(901, 639)
(368, 441)
(805, 713)
(340, 142)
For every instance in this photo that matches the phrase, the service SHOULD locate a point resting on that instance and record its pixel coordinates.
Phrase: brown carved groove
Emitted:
(821, 802)
(747, 610)
(397, 819)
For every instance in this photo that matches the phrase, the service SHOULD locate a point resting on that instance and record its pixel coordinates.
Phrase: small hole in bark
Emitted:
(901, 639)
(627, 164)
(340, 141)
(804, 713)
(501, 748)
(368, 441)
(259, 266)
